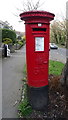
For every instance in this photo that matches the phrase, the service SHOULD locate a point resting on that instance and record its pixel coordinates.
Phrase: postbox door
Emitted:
(41, 59)
(38, 73)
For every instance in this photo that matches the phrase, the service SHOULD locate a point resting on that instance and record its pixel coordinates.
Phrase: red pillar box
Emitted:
(37, 56)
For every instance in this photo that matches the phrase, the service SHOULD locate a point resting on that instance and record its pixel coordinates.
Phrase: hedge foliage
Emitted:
(6, 33)
(7, 41)
(20, 43)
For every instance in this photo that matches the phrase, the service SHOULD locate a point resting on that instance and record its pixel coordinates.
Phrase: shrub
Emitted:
(20, 43)
(24, 38)
(19, 37)
(6, 33)
(7, 40)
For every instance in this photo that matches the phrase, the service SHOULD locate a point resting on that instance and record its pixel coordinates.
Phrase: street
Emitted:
(12, 74)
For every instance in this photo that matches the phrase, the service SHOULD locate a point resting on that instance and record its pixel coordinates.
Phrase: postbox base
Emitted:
(38, 97)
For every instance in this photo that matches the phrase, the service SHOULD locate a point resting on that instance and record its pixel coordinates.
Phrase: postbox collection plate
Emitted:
(39, 43)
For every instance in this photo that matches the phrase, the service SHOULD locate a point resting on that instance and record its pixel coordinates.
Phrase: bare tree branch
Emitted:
(29, 5)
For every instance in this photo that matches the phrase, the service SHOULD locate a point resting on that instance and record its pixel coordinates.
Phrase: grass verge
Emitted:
(55, 67)
(24, 108)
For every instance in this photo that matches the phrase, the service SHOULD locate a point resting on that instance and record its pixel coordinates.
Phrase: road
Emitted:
(58, 55)
(12, 74)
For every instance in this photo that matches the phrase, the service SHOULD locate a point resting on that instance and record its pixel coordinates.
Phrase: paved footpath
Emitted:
(12, 74)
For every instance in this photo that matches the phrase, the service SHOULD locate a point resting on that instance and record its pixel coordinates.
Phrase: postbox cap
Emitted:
(36, 15)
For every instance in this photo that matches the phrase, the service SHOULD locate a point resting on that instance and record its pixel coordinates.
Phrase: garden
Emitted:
(10, 38)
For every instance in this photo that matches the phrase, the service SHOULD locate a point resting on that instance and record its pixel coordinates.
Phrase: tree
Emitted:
(30, 5)
(64, 78)
(6, 33)
(58, 32)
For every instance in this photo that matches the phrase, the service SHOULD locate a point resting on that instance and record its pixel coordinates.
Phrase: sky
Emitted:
(8, 11)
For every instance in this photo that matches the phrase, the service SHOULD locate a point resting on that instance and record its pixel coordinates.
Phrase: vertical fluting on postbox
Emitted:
(37, 29)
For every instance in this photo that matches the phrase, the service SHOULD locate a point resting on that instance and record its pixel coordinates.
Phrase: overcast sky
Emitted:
(9, 7)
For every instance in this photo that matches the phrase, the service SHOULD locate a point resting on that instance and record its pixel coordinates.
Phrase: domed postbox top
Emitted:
(37, 16)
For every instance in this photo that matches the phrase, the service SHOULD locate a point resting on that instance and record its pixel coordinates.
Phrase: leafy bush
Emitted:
(19, 37)
(7, 40)
(24, 38)
(6, 33)
(20, 43)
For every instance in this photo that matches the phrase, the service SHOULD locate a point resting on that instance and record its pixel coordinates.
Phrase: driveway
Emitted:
(12, 74)
(58, 55)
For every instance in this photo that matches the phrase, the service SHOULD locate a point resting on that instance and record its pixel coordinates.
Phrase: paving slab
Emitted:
(12, 74)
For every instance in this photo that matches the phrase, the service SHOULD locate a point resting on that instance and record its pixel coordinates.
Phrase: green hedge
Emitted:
(6, 33)
(20, 43)
(7, 40)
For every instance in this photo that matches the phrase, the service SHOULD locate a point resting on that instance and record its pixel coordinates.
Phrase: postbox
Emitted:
(37, 29)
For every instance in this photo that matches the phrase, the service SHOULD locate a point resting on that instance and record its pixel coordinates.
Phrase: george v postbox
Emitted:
(37, 28)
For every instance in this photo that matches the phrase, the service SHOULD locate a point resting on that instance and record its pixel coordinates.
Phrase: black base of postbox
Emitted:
(38, 97)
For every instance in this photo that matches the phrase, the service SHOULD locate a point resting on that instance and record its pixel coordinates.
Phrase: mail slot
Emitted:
(37, 29)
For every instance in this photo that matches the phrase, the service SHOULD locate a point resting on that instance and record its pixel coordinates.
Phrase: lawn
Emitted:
(55, 67)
